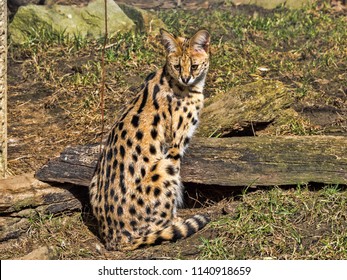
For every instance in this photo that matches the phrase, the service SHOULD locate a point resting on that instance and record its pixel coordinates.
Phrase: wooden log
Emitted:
(239, 161)
(24, 197)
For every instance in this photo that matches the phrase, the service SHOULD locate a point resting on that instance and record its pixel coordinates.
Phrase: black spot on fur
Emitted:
(154, 133)
(170, 170)
(138, 150)
(154, 167)
(114, 164)
(167, 184)
(150, 77)
(122, 183)
(139, 135)
(132, 210)
(127, 234)
(143, 172)
(109, 155)
(156, 120)
(129, 143)
(168, 193)
(140, 202)
(163, 214)
(179, 122)
(155, 92)
(186, 141)
(148, 189)
(120, 211)
(152, 149)
(121, 224)
(109, 220)
(122, 151)
(175, 157)
(156, 192)
(135, 121)
(121, 167)
(131, 169)
(120, 125)
(124, 134)
(155, 177)
(138, 181)
(133, 224)
(144, 100)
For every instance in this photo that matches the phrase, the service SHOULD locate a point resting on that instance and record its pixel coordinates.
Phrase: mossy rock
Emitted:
(69, 20)
(144, 20)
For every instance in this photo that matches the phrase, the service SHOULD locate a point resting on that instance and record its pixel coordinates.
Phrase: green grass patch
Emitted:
(283, 224)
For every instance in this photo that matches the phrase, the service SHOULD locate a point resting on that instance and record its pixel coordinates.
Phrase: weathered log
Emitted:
(246, 109)
(24, 197)
(244, 161)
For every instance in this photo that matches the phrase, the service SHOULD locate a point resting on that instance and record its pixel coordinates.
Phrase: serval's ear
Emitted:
(200, 41)
(168, 41)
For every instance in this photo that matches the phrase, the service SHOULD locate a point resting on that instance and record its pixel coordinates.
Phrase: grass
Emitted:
(297, 223)
(304, 49)
(60, 76)
(283, 224)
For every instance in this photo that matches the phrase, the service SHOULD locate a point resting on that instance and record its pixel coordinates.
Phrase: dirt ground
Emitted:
(40, 129)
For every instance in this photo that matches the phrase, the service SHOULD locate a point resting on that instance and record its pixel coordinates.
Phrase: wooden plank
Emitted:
(238, 161)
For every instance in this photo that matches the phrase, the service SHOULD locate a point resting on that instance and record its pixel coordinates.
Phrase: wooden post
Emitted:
(3, 87)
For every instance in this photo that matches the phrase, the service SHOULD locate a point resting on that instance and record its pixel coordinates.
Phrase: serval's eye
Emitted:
(177, 67)
(194, 67)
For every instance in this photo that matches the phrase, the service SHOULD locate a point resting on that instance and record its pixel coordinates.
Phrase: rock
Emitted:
(69, 20)
(13, 5)
(41, 253)
(246, 109)
(145, 21)
(271, 4)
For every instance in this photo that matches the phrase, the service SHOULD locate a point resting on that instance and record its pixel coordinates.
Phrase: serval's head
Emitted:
(187, 59)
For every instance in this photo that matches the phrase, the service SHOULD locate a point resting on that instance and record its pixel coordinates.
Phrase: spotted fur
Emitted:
(136, 187)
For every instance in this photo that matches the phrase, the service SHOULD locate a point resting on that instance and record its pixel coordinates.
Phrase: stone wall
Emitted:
(3, 87)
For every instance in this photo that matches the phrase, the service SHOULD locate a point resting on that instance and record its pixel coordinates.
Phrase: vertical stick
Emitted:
(3, 88)
(103, 75)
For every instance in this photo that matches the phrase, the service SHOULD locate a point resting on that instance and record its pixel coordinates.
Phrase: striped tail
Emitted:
(173, 232)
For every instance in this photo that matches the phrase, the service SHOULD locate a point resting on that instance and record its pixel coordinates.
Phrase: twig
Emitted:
(102, 90)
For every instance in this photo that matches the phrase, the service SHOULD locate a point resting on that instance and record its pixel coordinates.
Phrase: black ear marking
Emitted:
(168, 41)
(201, 40)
